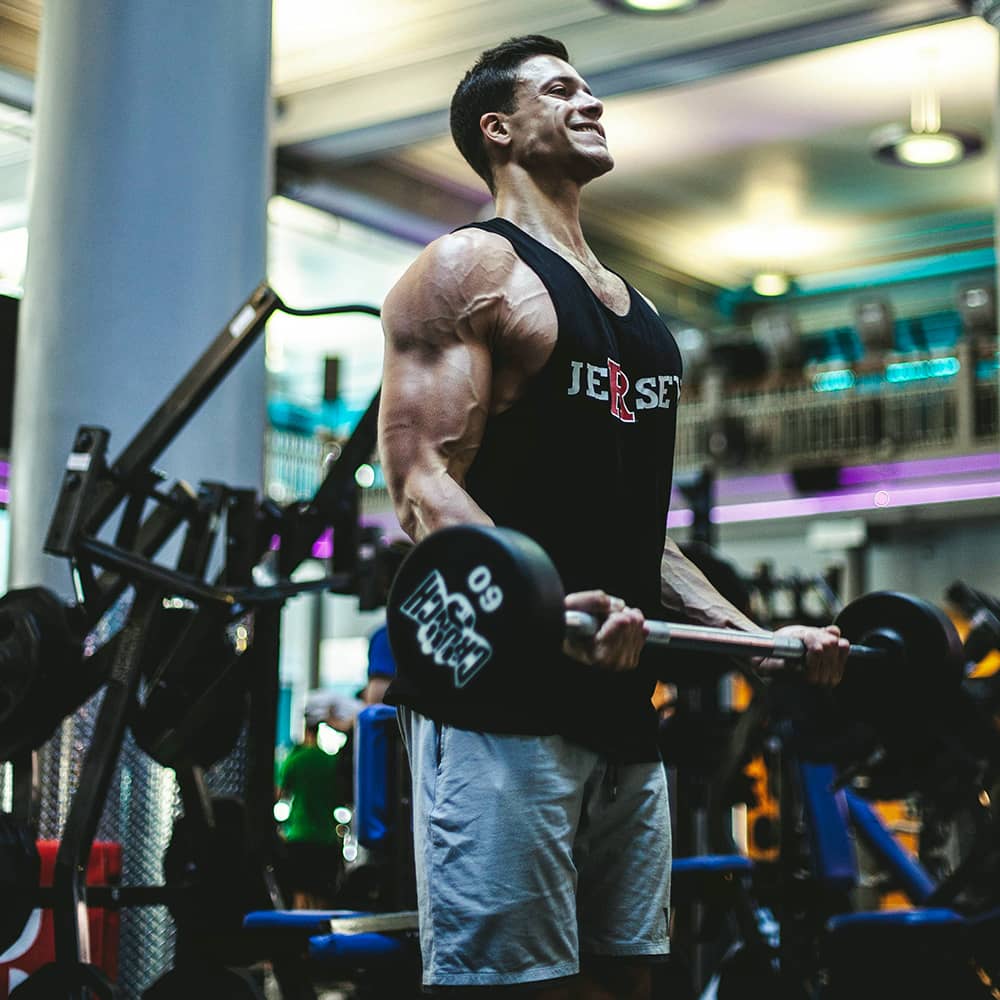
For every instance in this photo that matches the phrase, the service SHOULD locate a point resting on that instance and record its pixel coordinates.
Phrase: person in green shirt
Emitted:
(311, 779)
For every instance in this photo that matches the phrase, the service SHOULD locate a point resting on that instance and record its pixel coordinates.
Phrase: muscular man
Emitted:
(527, 385)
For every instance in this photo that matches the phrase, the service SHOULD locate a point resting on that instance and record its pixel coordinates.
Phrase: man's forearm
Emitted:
(686, 590)
(431, 502)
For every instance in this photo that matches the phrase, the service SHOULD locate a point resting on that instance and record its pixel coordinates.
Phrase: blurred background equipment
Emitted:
(776, 331)
(875, 323)
(837, 319)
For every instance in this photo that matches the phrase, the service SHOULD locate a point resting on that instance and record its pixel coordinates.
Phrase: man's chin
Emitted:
(599, 166)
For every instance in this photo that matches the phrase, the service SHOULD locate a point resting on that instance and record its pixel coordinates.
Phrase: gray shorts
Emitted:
(531, 851)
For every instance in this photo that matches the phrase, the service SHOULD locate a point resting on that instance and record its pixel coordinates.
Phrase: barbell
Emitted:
(474, 609)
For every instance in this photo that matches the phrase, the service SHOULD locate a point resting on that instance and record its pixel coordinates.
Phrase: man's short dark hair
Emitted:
(490, 86)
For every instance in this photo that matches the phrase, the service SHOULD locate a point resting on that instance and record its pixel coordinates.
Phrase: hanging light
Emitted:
(771, 283)
(924, 143)
(654, 6)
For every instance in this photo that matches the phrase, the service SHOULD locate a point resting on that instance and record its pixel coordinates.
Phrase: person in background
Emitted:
(381, 668)
(313, 781)
(381, 665)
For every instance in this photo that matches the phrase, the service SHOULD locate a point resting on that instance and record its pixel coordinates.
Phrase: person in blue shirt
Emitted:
(381, 667)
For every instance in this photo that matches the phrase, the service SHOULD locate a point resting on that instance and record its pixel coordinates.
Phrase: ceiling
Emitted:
(19, 24)
(769, 168)
(15, 157)
(740, 131)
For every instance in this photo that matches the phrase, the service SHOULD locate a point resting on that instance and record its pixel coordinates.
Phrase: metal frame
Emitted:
(93, 489)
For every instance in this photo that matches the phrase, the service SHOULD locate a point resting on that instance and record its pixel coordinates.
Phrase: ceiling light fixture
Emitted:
(924, 143)
(771, 283)
(655, 6)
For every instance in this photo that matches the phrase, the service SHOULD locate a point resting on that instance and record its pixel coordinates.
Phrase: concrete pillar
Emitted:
(147, 229)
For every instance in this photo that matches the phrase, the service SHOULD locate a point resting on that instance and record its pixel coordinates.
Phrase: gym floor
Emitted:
(329, 991)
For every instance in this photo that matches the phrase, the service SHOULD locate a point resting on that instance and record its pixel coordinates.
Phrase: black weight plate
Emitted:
(20, 867)
(40, 676)
(468, 605)
(19, 653)
(924, 661)
(196, 704)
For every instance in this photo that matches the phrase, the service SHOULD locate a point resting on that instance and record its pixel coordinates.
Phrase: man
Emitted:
(381, 667)
(527, 385)
(381, 663)
(312, 779)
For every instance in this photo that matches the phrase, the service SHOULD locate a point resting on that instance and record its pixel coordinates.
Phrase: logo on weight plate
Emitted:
(447, 628)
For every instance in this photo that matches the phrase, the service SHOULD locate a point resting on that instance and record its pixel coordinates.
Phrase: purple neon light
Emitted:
(777, 482)
(4, 494)
(779, 485)
(5, 469)
(323, 546)
(857, 475)
(919, 468)
(680, 518)
(837, 503)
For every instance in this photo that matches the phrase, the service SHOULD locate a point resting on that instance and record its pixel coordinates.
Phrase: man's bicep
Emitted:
(437, 379)
(440, 323)
(435, 399)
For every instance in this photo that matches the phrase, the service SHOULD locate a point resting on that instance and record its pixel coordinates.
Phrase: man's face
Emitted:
(556, 124)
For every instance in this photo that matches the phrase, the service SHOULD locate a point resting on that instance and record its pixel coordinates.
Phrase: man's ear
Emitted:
(494, 128)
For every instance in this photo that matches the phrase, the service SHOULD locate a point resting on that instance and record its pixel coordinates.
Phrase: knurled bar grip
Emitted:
(704, 639)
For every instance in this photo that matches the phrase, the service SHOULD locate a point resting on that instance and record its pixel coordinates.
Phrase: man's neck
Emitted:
(551, 214)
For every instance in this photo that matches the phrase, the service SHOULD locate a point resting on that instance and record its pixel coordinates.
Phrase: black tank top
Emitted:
(582, 463)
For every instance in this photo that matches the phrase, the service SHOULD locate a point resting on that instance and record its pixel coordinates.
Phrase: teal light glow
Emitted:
(988, 368)
(914, 371)
(842, 378)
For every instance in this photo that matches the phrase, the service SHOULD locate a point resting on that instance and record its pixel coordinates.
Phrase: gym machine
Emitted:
(194, 663)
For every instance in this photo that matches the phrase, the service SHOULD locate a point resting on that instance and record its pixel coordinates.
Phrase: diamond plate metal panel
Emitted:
(138, 814)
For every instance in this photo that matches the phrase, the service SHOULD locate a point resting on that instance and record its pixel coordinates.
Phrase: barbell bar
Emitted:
(706, 639)
(476, 611)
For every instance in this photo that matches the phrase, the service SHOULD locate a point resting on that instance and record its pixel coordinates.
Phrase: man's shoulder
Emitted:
(463, 253)
(461, 267)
